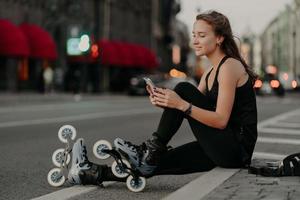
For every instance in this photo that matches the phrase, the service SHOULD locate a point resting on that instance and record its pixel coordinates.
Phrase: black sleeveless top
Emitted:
(243, 118)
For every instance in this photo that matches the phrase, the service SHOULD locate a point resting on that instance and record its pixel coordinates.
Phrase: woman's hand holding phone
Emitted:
(150, 89)
(161, 97)
(150, 84)
(151, 95)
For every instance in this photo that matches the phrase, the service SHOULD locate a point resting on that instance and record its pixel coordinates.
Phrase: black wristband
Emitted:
(188, 111)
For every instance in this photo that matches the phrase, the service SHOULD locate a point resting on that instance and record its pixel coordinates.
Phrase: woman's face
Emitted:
(204, 39)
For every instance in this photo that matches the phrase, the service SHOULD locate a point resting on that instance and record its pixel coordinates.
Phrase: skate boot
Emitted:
(289, 166)
(144, 157)
(82, 170)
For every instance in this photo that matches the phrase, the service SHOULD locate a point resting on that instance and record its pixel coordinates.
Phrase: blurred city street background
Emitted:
(82, 63)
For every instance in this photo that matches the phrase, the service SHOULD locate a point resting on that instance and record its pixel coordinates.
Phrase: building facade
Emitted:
(281, 45)
(148, 24)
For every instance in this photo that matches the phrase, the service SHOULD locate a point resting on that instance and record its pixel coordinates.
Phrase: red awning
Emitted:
(108, 53)
(126, 54)
(151, 60)
(120, 54)
(12, 40)
(126, 58)
(40, 42)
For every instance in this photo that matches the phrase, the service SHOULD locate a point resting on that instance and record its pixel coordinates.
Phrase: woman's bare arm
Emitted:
(228, 77)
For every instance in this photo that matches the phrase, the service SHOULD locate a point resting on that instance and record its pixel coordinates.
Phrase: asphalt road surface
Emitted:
(28, 133)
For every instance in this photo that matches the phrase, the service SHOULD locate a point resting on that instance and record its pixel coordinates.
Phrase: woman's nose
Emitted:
(195, 41)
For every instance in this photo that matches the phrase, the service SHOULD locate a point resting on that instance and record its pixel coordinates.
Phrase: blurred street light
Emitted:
(177, 74)
(271, 69)
(294, 84)
(176, 57)
(84, 44)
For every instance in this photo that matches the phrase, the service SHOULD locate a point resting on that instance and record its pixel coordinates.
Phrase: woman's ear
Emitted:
(220, 39)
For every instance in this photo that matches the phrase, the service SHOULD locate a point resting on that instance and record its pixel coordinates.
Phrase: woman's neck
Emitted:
(215, 57)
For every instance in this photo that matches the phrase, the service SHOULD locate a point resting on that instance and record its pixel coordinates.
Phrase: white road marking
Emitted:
(70, 192)
(280, 131)
(278, 140)
(78, 117)
(286, 125)
(67, 193)
(278, 118)
(37, 108)
(286, 100)
(264, 155)
(200, 187)
(63, 105)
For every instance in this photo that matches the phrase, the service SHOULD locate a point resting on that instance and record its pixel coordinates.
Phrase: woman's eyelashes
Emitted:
(200, 35)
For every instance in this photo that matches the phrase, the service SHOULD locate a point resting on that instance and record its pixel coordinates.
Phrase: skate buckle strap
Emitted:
(292, 168)
(140, 151)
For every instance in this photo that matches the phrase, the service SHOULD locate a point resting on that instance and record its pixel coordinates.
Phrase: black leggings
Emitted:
(213, 147)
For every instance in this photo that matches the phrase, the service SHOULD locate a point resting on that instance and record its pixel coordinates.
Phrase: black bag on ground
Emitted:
(289, 166)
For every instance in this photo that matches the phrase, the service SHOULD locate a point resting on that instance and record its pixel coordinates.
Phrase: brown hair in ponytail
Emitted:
(221, 27)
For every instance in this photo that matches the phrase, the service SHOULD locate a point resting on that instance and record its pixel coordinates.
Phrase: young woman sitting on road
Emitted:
(221, 112)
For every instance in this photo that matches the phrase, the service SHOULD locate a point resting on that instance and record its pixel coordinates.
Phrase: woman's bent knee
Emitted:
(183, 87)
(192, 94)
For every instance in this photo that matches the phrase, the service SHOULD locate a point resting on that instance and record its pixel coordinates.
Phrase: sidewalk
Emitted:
(272, 140)
(249, 186)
(243, 185)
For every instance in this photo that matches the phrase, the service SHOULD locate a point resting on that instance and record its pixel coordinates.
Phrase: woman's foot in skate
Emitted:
(144, 157)
(82, 170)
(79, 161)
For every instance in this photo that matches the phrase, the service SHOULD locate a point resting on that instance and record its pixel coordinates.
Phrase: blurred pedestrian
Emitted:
(221, 112)
(48, 75)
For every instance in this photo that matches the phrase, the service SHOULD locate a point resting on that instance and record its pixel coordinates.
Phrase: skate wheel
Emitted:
(58, 157)
(55, 177)
(136, 185)
(118, 171)
(99, 146)
(66, 131)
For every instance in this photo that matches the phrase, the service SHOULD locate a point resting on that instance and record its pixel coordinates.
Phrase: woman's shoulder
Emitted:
(232, 69)
(233, 65)
(233, 62)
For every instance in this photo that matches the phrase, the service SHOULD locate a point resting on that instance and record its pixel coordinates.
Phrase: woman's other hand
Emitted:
(168, 98)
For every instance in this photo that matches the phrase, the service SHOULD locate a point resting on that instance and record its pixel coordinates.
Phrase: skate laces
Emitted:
(85, 158)
(133, 147)
(130, 145)
(139, 149)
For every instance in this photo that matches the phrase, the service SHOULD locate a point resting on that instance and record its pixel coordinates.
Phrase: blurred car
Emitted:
(269, 85)
(138, 85)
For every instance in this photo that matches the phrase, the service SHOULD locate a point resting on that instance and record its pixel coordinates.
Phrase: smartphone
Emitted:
(150, 83)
